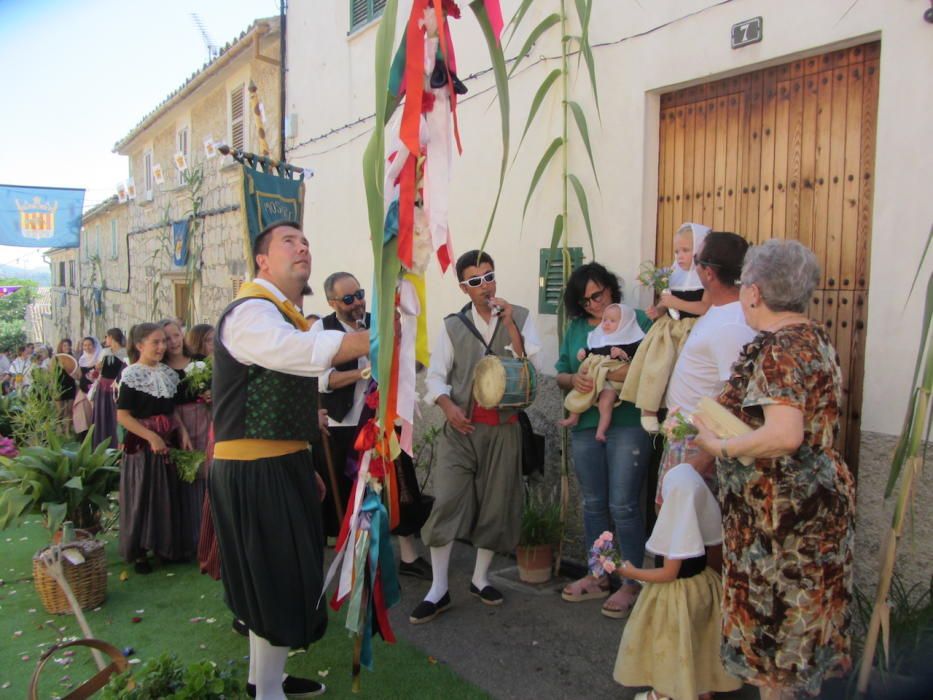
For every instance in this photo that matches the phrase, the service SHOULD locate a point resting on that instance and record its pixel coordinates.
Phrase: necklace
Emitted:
(786, 321)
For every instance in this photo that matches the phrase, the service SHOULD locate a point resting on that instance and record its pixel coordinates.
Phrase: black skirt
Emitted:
(267, 516)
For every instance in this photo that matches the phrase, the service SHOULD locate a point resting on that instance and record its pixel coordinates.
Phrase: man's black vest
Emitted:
(339, 402)
(254, 402)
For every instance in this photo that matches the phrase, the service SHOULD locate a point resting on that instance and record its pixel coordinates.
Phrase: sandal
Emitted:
(650, 695)
(586, 588)
(620, 605)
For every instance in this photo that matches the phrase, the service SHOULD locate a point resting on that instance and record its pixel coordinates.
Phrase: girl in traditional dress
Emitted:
(199, 341)
(194, 412)
(149, 486)
(83, 412)
(671, 641)
(111, 364)
(67, 386)
(679, 307)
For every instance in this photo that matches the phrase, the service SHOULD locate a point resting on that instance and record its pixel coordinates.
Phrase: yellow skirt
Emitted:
(653, 363)
(597, 367)
(672, 640)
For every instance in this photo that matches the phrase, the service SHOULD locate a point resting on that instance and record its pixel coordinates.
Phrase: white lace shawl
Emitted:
(160, 381)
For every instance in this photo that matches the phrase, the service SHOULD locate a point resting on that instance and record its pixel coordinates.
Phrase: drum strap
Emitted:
(475, 331)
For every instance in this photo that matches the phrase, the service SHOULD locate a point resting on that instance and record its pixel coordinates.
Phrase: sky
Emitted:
(79, 75)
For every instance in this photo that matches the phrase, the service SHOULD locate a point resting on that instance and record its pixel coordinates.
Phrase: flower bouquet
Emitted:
(198, 376)
(604, 558)
(677, 426)
(187, 463)
(658, 278)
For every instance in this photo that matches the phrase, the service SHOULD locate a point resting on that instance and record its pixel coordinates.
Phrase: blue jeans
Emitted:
(611, 476)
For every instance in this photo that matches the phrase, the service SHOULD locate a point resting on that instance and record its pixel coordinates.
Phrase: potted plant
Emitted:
(65, 481)
(540, 531)
(167, 676)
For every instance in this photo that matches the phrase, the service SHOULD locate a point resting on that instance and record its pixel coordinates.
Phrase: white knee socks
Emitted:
(268, 669)
(440, 562)
(406, 548)
(480, 571)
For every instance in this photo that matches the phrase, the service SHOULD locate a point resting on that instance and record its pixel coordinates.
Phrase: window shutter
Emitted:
(182, 147)
(551, 277)
(114, 247)
(359, 13)
(236, 283)
(238, 117)
(147, 174)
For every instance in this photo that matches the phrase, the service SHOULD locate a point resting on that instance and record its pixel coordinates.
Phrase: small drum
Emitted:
(68, 363)
(504, 382)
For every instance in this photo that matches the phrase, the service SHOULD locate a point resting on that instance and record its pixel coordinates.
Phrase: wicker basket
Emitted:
(88, 580)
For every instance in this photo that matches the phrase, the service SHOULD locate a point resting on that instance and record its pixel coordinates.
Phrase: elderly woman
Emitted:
(787, 518)
(611, 471)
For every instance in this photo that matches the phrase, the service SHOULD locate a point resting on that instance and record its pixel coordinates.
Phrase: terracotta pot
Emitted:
(534, 563)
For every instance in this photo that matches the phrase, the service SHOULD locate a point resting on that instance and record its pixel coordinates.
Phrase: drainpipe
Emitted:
(283, 18)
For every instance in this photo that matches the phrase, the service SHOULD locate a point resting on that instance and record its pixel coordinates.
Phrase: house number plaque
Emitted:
(747, 32)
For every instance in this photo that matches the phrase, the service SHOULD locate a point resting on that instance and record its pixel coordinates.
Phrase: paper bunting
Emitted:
(210, 148)
(181, 162)
(157, 175)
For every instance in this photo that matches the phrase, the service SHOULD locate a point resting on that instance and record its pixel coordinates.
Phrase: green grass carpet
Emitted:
(180, 611)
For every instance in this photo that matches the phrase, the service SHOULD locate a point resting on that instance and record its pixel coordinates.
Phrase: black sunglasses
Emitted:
(704, 263)
(479, 279)
(348, 298)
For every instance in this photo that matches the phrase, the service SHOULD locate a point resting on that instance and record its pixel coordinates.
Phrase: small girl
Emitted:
(680, 306)
(609, 346)
(672, 639)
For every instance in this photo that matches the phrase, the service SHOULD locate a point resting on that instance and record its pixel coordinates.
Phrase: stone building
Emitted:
(126, 263)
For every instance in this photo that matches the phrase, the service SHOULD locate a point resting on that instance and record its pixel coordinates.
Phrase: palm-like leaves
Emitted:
(65, 481)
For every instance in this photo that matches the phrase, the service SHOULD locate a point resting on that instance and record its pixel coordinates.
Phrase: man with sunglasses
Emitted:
(477, 476)
(342, 391)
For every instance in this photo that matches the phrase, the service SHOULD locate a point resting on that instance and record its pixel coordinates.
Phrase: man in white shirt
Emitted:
(477, 477)
(714, 344)
(265, 494)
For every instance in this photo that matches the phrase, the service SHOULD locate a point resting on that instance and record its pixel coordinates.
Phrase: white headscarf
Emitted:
(89, 359)
(683, 280)
(690, 518)
(627, 333)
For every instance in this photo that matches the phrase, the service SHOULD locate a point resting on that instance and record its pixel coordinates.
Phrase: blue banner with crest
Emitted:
(180, 243)
(40, 217)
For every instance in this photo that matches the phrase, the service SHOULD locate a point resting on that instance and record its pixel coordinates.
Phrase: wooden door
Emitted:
(786, 152)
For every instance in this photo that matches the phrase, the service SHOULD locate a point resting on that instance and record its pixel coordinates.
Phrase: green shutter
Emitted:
(551, 278)
(363, 12)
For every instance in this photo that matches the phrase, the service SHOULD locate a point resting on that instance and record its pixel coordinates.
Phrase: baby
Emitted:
(674, 316)
(609, 346)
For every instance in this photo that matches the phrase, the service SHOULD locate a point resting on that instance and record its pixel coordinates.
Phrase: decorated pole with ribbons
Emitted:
(406, 172)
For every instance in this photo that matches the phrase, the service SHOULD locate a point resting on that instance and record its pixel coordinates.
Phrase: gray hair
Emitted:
(785, 272)
(333, 279)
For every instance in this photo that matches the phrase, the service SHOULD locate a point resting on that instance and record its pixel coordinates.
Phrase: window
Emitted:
(238, 117)
(96, 248)
(182, 296)
(551, 277)
(147, 174)
(363, 12)
(61, 274)
(114, 245)
(72, 281)
(181, 146)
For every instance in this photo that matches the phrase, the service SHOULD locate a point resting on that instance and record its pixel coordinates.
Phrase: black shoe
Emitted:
(294, 688)
(427, 611)
(459, 87)
(488, 595)
(240, 627)
(418, 568)
(142, 567)
(439, 74)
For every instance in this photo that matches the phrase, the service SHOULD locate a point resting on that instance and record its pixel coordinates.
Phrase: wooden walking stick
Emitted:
(332, 475)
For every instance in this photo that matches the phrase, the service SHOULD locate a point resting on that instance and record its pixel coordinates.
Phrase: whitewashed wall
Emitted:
(330, 84)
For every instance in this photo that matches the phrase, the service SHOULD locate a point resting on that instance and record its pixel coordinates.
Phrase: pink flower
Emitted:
(609, 566)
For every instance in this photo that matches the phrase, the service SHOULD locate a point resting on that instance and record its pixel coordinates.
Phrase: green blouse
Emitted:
(625, 414)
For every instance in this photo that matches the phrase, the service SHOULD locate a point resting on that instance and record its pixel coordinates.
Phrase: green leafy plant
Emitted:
(541, 521)
(199, 375)
(34, 416)
(65, 480)
(167, 677)
(187, 463)
(10, 405)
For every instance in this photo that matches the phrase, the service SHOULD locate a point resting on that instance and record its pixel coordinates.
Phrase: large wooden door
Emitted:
(786, 152)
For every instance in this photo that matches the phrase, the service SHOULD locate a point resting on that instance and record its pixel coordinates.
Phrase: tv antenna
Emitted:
(212, 50)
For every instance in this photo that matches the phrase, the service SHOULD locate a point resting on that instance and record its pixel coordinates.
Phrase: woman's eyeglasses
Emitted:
(348, 299)
(594, 297)
(480, 279)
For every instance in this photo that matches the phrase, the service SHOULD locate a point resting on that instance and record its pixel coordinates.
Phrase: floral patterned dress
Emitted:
(788, 522)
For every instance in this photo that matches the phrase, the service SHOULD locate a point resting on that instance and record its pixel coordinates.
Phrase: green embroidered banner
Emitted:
(268, 198)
